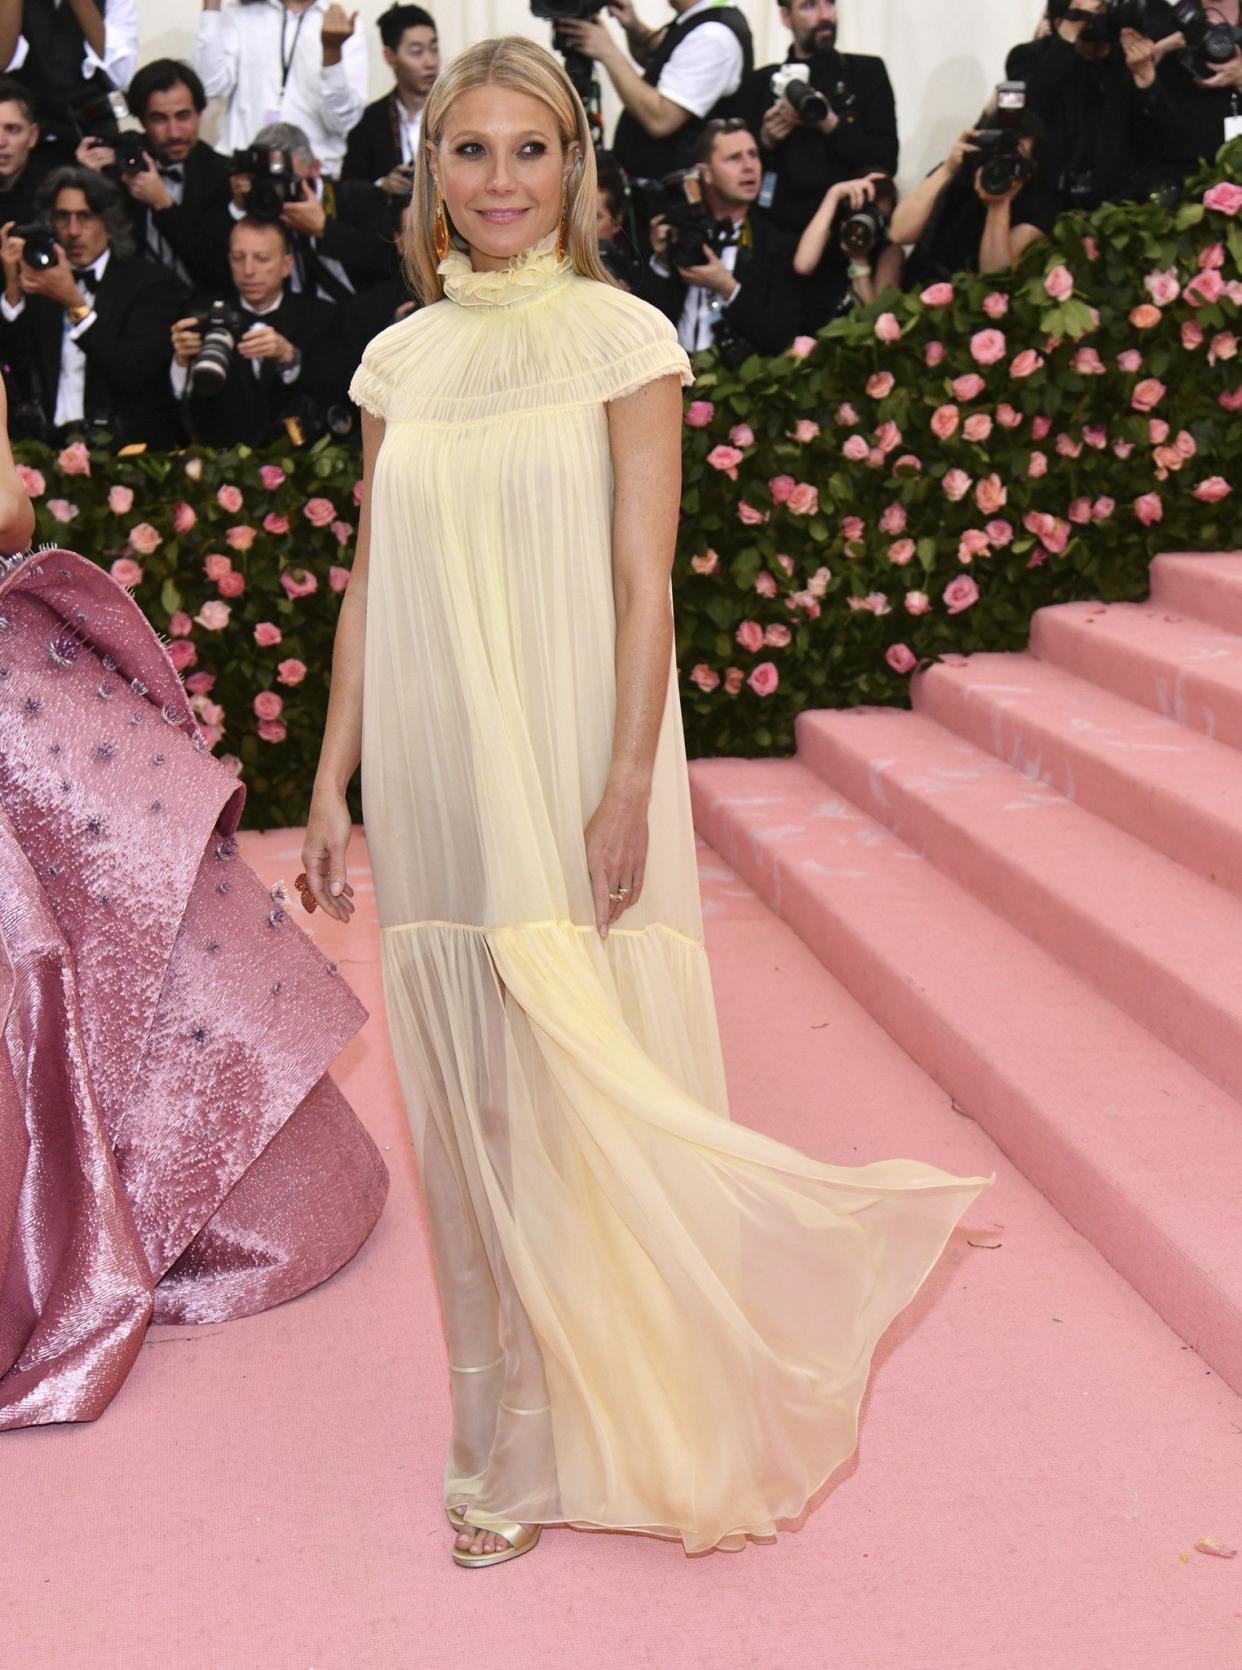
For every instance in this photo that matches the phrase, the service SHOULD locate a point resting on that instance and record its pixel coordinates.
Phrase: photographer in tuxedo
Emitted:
(179, 201)
(23, 164)
(382, 149)
(282, 364)
(63, 49)
(746, 298)
(85, 322)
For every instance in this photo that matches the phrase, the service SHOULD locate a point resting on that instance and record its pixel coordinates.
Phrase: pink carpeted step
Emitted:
(1178, 666)
(1138, 1150)
(1173, 788)
(1209, 587)
(1161, 943)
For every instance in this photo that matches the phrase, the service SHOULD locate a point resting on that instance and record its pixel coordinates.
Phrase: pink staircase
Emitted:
(1034, 882)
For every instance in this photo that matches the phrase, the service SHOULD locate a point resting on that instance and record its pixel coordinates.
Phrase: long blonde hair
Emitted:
(526, 67)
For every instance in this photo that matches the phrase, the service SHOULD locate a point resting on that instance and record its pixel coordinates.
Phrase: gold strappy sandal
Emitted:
(520, 1540)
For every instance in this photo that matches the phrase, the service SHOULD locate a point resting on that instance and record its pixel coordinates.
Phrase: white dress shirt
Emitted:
(328, 262)
(703, 307)
(71, 387)
(705, 68)
(239, 56)
(120, 53)
(409, 127)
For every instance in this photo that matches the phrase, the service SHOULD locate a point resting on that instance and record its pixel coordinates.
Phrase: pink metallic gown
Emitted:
(171, 1147)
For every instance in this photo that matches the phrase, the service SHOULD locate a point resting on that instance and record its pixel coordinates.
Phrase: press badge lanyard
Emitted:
(286, 64)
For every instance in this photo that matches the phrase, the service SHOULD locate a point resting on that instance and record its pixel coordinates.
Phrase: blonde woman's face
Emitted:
(501, 169)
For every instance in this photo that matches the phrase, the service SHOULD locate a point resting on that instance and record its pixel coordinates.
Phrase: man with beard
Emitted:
(383, 147)
(180, 199)
(22, 166)
(858, 136)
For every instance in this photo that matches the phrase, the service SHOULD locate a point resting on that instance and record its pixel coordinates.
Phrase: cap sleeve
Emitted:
(367, 388)
(650, 350)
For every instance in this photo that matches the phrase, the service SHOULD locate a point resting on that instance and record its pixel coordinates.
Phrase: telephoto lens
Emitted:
(220, 327)
(39, 241)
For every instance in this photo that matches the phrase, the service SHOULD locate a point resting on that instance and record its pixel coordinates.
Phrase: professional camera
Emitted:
(793, 82)
(130, 151)
(679, 198)
(220, 326)
(39, 245)
(1105, 26)
(98, 110)
(1209, 45)
(273, 182)
(1000, 162)
(578, 67)
(860, 232)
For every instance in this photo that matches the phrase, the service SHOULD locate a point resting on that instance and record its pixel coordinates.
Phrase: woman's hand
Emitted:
(965, 147)
(328, 829)
(616, 849)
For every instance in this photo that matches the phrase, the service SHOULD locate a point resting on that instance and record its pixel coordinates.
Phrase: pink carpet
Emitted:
(1039, 1450)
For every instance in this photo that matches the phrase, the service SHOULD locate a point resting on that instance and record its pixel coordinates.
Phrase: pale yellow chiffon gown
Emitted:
(657, 1320)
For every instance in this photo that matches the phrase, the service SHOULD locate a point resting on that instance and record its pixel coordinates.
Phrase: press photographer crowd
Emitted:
(162, 290)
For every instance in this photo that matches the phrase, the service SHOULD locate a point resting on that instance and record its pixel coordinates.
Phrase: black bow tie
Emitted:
(172, 173)
(84, 278)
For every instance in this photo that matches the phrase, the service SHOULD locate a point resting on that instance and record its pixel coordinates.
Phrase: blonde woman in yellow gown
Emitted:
(657, 1320)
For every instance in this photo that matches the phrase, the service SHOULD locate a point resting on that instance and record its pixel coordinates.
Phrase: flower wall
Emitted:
(912, 484)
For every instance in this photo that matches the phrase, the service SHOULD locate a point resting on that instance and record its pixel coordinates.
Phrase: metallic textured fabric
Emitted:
(170, 1146)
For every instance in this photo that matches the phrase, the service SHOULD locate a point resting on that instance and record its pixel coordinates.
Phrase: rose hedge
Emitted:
(913, 484)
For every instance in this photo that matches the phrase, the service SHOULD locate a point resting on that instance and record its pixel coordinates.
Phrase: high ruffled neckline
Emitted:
(533, 270)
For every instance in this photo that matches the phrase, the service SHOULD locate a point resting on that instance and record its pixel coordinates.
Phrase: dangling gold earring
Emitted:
(562, 231)
(442, 239)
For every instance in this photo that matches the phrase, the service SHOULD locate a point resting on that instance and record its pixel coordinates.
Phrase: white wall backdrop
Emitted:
(943, 55)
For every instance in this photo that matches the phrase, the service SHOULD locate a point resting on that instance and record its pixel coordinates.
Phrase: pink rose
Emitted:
(1095, 435)
(1079, 511)
(777, 636)
(32, 480)
(1007, 416)
(1225, 198)
(75, 460)
(182, 654)
(900, 659)
(908, 461)
(780, 487)
(750, 635)
(973, 543)
(1157, 431)
(1145, 317)
(120, 500)
(917, 603)
(817, 585)
(937, 295)
(887, 438)
(144, 539)
(126, 572)
(179, 624)
(901, 552)
(800, 347)
(706, 564)
(209, 713)
(319, 512)
(1026, 363)
(933, 353)
(1231, 399)
(786, 562)
(765, 583)
(1148, 394)
(184, 517)
(805, 430)
(357, 492)
(268, 705)
(855, 449)
(272, 730)
(699, 413)
(1129, 360)
(216, 565)
(1123, 449)
(1149, 508)
(338, 578)
(344, 532)
(749, 515)
(874, 603)
(1059, 283)
(1208, 287)
(1103, 508)
(1037, 466)
(292, 671)
(213, 616)
(988, 347)
(231, 584)
(724, 458)
(1087, 363)
(733, 681)
(1213, 490)
(960, 593)
(266, 634)
(996, 305)
(847, 417)
(853, 528)
(968, 387)
(1040, 426)
(1050, 530)
(804, 500)
(944, 422)
(956, 485)
(229, 498)
(875, 458)
(271, 475)
(1224, 346)
(194, 468)
(1163, 287)
(704, 677)
(1090, 248)
(764, 678)
(294, 587)
(893, 520)
(887, 328)
(742, 435)
(1212, 256)
(999, 532)
(977, 427)
(1068, 447)
(275, 523)
(201, 684)
(880, 384)
(1185, 444)
(241, 538)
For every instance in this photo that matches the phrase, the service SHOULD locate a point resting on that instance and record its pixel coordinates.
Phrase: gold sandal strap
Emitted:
(542, 1410)
(479, 1369)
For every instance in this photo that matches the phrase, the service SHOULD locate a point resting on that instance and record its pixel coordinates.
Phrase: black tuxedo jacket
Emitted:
(373, 148)
(771, 304)
(251, 409)
(126, 348)
(196, 229)
(360, 234)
